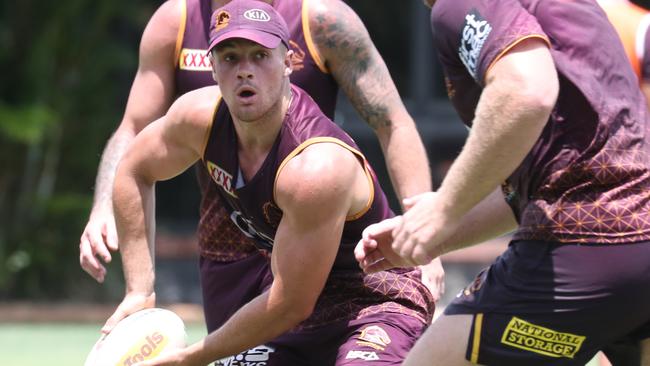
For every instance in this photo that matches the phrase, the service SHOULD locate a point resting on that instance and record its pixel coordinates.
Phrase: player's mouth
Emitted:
(246, 94)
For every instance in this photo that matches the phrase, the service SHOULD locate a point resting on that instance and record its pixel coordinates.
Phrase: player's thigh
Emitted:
(645, 352)
(444, 343)
(384, 341)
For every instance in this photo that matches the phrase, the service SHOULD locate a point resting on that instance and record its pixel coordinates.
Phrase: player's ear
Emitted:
(213, 65)
(288, 68)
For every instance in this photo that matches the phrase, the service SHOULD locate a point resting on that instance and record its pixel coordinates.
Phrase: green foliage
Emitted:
(64, 85)
(25, 124)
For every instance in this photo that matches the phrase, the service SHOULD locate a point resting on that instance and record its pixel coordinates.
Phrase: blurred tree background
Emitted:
(66, 70)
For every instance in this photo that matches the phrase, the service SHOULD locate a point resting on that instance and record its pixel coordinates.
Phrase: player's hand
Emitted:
(132, 302)
(374, 251)
(97, 240)
(433, 277)
(177, 357)
(424, 228)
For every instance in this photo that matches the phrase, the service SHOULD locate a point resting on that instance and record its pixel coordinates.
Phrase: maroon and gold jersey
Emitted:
(251, 205)
(219, 239)
(587, 178)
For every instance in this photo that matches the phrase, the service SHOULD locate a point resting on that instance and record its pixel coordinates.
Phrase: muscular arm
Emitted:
(161, 151)
(315, 204)
(487, 220)
(520, 92)
(150, 96)
(350, 55)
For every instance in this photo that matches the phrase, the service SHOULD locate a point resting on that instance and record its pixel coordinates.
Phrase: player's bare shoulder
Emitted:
(161, 32)
(334, 25)
(324, 9)
(321, 174)
(197, 107)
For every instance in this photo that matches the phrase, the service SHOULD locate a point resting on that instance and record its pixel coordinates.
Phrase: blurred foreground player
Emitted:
(559, 133)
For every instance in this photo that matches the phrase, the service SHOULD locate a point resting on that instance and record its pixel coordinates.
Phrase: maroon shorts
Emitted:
(544, 303)
(227, 286)
(380, 339)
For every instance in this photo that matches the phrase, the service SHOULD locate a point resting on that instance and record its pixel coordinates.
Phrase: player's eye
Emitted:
(262, 55)
(229, 57)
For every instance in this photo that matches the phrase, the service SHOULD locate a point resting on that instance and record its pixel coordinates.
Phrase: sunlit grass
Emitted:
(56, 344)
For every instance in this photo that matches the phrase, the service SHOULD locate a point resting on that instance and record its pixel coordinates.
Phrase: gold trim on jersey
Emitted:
(311, 47)
(317, 140)
(510, 46)
(371, 195)
(476, 341)
(209, 129)
(181, 32)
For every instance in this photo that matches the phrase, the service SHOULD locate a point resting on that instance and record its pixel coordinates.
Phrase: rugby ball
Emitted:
(141, 336)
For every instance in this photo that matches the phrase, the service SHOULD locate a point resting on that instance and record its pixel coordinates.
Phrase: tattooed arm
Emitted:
(348, 52)
(350, 55)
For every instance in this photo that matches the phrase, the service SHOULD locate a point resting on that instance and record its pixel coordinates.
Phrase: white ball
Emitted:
(141, 336)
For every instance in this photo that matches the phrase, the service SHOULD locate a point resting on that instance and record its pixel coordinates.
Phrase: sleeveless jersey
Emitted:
(251, 205)
(632, 24)
(218, 238)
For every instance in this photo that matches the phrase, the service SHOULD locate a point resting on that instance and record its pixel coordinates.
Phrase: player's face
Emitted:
(251, 77)
(429, 3)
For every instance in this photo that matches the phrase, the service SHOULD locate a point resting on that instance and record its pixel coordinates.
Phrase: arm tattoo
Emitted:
(355, 63)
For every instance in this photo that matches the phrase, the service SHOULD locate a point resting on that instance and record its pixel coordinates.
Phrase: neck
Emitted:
(258, 136)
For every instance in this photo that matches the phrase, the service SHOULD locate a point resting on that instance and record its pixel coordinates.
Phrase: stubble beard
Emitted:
(260, 113)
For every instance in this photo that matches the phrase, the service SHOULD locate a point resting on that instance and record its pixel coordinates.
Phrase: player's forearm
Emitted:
(256, 323)
(113, 152)
(508, 122)
(491, 218)
(134, 206)
(374, 96)
(406, 158)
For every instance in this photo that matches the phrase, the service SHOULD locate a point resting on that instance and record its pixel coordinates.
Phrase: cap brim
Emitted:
(267, 40)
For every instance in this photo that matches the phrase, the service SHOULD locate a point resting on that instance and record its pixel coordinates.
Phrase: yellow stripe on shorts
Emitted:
(476, 342)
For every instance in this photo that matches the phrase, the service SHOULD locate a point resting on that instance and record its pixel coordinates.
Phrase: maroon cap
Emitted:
(254, 20)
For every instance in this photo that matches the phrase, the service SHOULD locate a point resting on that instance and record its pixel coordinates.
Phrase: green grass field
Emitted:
(56, 344)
